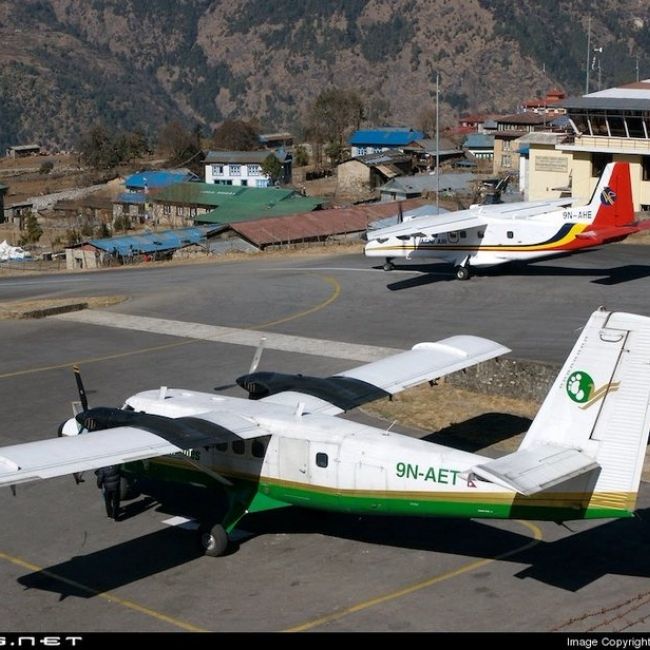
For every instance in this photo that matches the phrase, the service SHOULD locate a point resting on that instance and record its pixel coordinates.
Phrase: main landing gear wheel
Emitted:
(462, 273)
(214, 541)
(388, 266)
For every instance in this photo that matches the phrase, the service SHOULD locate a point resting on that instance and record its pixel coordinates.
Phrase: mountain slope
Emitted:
(65, 64)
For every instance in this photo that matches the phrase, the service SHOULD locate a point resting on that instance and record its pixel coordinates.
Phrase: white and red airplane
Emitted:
(488, 235)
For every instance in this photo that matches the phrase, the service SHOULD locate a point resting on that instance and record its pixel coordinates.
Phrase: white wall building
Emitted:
(244, 168)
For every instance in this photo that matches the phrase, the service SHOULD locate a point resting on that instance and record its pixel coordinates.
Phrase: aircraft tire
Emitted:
(462, 273)
(388, 266)
(128, 489)
(214, 541)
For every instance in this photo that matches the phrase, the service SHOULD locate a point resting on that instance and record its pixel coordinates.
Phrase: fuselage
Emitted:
(498, 241)
(335, 464)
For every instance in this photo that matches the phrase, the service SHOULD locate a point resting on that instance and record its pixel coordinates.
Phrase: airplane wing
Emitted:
(535, 469)
(476, 217)
(389, 376)
(151, 436)
(431, 225)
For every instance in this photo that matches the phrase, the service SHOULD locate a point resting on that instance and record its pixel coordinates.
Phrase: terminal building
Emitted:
(608, 125)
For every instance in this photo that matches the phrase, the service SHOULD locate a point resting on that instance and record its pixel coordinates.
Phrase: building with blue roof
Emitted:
(121, 249)
(367, 141)
(134, 202)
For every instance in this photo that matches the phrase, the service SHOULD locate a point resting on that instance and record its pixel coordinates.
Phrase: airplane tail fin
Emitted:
(589, 438)
(611, 202)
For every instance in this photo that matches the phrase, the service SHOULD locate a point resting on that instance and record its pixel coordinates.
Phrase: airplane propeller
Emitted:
(255, 362)
(80, 387)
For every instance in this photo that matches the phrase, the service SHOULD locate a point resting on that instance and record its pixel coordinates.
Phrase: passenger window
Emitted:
(238, 447)
(480, 234)
(222, 446)
(321, 459)
(510, 234)
(258, 449)
(463, 234)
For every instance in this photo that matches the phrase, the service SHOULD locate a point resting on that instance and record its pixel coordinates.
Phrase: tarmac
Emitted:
(65, 567)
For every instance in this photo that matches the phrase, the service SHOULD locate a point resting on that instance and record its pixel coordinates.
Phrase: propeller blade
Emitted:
(80, 387)
(257, 356)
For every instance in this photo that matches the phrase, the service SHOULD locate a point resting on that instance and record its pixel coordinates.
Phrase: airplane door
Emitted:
(293, 460)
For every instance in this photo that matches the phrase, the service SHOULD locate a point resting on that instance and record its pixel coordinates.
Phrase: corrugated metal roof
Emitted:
(243, 157)
(211, 195)
(234, 211)
(137, 198)
(388, 137)
(323, 223)
(152, 242)
(479, 140)
(155, 179)
(522, 118)
(429, 183)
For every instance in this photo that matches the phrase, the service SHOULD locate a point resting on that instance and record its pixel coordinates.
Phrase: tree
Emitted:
(33, 230)
(379, 112)
(426, 121)
(300, 156)
(236, 135)
(272, 167)
(97, 148)
(181, 146)
(334, 113)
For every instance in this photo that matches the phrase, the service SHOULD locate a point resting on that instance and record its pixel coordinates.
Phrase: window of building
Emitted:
(322, 460)
(179, 210)
(645, 168)
(507, 145)
(244, 182)
(258, 448)
(192, 212)
(506, 160)
(598, 163)
(635, 127)
(167, 209)
(217, 170)
(254, 170)
(617, 126)
(234, 170)
(238, 447)
(222, 446)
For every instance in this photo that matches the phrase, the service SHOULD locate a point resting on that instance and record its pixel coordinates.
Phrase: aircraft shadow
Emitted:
(571, 563)
(443, 273)
(481, 431)
(614, 547)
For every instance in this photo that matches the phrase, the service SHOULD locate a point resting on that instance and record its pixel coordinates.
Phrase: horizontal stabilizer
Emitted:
(606, 235)
(529, 471)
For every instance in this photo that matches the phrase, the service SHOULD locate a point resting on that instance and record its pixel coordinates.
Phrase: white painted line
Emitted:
(247, 337)
(182, 522)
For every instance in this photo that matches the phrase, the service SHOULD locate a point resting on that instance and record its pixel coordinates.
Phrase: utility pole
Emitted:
(637, 67)
(437, 143)
(588, 54)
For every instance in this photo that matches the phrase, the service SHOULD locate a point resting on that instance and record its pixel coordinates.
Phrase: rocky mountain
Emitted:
(67, 64)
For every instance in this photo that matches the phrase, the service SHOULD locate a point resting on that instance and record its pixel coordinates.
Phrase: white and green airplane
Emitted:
(582, 457)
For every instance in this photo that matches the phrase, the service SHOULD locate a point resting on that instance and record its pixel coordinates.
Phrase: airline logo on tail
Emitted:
(580, 388)
(607, 196)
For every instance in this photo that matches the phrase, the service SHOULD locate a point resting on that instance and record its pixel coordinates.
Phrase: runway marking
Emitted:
(405, 591)
(231, 335)
(344, 268)
(248, 335)
(111, 598)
